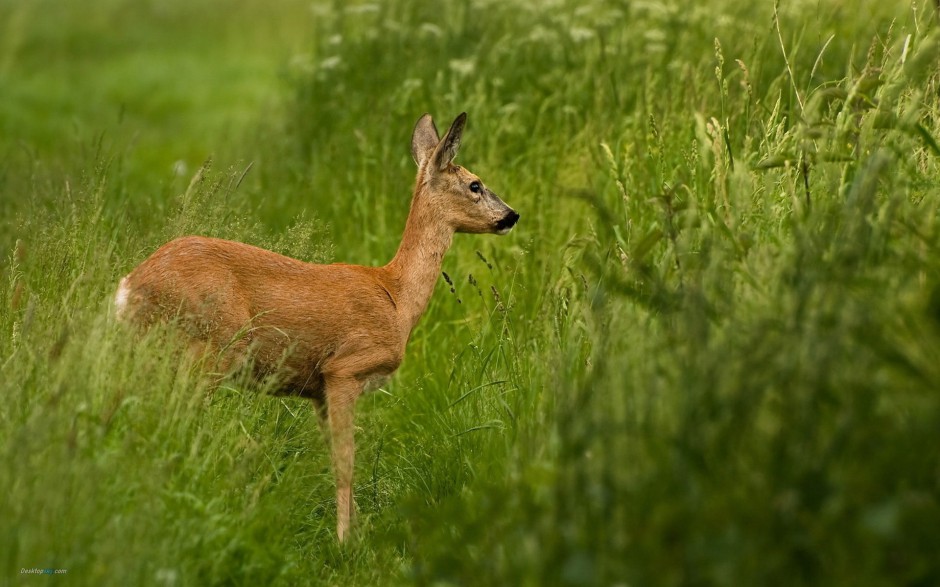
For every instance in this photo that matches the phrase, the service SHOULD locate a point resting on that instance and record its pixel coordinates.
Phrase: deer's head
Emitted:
(459, 195)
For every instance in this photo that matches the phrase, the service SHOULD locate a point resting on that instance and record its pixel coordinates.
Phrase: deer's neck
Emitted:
(416, 266)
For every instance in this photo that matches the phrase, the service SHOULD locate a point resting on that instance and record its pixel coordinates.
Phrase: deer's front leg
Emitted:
(341, 394)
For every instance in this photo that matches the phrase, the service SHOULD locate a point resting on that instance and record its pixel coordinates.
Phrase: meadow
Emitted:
(709, 354)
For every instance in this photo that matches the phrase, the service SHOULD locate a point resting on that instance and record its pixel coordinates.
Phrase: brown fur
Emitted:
(327, 332)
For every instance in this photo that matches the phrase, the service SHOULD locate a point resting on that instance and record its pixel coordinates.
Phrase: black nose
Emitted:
(508, 221)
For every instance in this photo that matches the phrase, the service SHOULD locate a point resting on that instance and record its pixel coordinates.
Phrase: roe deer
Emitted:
(327, 332)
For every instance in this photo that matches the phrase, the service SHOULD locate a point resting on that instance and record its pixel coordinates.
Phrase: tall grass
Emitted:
(708, 354)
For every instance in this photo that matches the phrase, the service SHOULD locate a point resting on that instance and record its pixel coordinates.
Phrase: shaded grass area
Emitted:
(707, 354)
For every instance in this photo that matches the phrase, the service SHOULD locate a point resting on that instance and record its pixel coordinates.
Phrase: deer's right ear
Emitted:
(447, 150)
(424, 140)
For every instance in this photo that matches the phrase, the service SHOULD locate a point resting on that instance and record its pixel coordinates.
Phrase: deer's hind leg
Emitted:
(227, 340)
(323, 420)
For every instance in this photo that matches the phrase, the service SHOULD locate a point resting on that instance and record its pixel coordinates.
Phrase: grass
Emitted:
(707, 355)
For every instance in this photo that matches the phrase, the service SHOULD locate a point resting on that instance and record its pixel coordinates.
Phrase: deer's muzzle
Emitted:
(506, 223)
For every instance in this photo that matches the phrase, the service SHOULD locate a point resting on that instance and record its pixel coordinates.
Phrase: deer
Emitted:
(325, 332)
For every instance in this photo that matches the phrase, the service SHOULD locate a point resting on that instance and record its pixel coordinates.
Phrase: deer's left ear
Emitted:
(447, 149)
(424, 140)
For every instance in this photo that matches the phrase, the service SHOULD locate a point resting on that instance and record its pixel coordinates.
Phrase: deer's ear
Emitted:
(447, 149)
(424, 140)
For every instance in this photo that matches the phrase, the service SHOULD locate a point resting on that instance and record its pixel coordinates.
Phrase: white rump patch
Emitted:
(121, 299)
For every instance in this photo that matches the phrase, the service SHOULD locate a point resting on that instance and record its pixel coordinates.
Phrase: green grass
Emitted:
(709, 354)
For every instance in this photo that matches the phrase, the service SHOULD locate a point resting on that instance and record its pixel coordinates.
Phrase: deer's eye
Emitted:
(476, 188)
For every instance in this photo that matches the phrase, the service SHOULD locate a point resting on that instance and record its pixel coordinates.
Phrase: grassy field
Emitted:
(709, 354)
